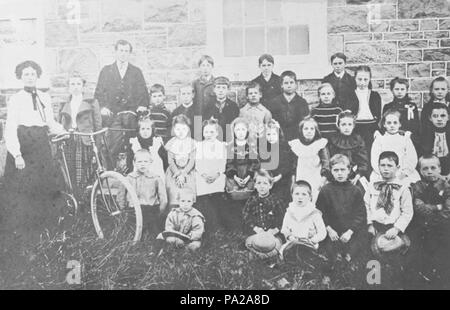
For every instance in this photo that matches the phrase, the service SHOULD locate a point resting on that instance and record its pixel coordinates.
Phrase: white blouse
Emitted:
(364, 112)
(74, 107)
(20, 112)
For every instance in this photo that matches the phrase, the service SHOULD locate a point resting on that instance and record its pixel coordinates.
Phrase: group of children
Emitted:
(350, 165)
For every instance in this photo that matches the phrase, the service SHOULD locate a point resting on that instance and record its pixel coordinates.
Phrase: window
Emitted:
(21, 38)
(294, 31)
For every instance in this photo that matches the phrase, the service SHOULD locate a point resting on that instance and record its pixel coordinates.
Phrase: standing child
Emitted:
(343, 211)
(396, 141)
(210, 162)
(431, 221)
(350, 144)
(222, 108)
(276, 157)
(408, 109)
(436, 137)
(184, 224)
(186, 107)
(159, 113)
(269, 81)
(302, 223)
(81, 115)
(150, 191)
(204, 85)
(263, 215)
(342, 82)
(368, 108)
(439, 92)
(181, 155)
(241, 165)
(312, 156)
(289, 109)
(327, 111)
(147, 140)
(254, 112)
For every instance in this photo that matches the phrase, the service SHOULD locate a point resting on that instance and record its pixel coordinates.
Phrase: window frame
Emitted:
(23, 10)
(312, 66)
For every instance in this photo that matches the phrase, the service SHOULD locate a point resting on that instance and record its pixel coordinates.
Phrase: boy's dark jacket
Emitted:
(344, 89)
(119, 94)
(427, 143)
(270, 89)
(342, 206)
(229, 112)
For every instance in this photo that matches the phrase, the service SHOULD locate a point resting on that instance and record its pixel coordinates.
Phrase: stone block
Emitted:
(82, 60)
(409, 55)
(309, 85)
(378, 84)
(433, 43)
(168, 11)
(335, 44)
(379, 52)
(187, 35)
(60, 34)
(357, 37)
(396, 36)
(441, 54)
(445, 43)
(379, 26)
(429, 24)
(382, 11)
(386, 95)
(401, 25)
(444, 24)
(438, 65)
(423, 9)
(418, 70)
(413, 44)
(116, 18)
(347, 19)
(388, 71)
(435, 34)
(438, 72)
(422, 85)
(416, 35)
(377, 36)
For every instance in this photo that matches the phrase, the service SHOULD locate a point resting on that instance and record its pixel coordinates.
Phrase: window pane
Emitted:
(232, 12)
(254, 11)
(254, 41)
(276, 40)
(298, 40)
(273, 11)
(232, 42)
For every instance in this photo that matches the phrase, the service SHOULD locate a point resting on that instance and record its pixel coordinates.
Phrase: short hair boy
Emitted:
(203, 86)
(343, 211)
(221, 107)
(256, 114)
(388, 202)
(270, 82)
(289, 108)
(150, 190)
(158, 112)
(263, 215)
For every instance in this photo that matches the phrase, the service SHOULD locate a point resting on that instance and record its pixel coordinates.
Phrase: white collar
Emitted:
(188, 106)
(339, 75)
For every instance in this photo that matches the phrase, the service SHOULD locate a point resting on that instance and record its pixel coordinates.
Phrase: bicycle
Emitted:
(109, 218)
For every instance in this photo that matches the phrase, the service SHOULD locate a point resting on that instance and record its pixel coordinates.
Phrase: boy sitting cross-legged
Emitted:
(431, 222)
(343, 212)
(263, 215)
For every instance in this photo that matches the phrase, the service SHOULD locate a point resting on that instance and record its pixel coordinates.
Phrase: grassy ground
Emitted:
(221, 264)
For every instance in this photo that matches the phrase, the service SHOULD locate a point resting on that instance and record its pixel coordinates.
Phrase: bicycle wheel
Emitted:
(110, 221)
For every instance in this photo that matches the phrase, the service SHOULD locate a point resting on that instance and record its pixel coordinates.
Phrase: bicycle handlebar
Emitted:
(67, 135)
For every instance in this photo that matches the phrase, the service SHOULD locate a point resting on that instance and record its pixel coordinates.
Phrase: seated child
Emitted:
(158, 112)
(150, 191)
(254, 112)
(186, 107)
(326, 113)
(312, 156)
(389, 201)
(431, 223)
(409, 113)
(263, 215)
(146, 139)
(396, 141)
(181, 157)
(302, 223)
(436, 137)
(343, 211)
(350, 144)
(184, 224)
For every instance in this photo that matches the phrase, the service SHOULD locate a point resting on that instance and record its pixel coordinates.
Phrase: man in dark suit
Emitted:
(121, 92)
(344, 84)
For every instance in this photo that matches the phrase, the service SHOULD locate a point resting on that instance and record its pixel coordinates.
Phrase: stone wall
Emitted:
(395, 37)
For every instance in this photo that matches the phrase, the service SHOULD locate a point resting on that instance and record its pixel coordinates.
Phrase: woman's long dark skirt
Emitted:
(30, 205)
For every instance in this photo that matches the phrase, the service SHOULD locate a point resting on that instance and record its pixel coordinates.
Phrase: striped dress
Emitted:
(326, 117)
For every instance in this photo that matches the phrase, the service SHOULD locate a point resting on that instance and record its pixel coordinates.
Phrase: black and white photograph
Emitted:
(222, 150)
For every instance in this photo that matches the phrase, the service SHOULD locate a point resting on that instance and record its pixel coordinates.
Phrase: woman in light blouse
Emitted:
(31, 178)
